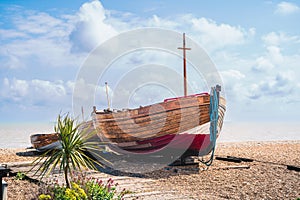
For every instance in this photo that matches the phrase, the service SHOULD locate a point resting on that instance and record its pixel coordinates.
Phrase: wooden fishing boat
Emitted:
(190, 123)
(44, 142)
(150, 128)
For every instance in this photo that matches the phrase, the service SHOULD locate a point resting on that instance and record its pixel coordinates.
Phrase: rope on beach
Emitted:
(214, 115)
(240, 159)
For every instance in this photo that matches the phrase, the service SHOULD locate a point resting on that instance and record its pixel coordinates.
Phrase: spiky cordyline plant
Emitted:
(72, 155)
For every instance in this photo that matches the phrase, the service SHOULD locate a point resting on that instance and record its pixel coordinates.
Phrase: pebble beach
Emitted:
(267, 177)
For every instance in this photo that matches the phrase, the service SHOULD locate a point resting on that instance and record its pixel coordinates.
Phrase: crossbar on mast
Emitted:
(184, 64)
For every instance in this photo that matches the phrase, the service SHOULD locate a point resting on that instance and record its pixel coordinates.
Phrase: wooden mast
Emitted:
(108, 102)
(184, 64)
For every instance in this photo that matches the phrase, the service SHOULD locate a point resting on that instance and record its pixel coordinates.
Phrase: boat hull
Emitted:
(44, 142)
(178, 124)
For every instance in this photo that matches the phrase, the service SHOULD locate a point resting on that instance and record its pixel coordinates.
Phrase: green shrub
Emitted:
(97, 190)
(20, 176)
(83, 189)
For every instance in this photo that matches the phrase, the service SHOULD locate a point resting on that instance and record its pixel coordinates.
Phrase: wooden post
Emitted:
(184, 64)
(108, 102)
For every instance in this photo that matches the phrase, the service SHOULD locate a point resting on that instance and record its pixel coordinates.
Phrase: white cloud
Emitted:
(214, 36)
(46, 89)
(38, 40)
(233, 80)
(272, 58)
(156, 21)
(232, 74)
(35, 92)
(37, 52)
(10, 59)
(91, 28)
(8, 34)
(277, 44)
(95, 25)
(252, 31)
(39, 23)
(263, 64)
(14, 89)
(274, 53)
(276, 39)
(286, 8)
(280, 85)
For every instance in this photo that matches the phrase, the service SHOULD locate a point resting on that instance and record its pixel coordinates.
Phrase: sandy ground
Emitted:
(265, 178)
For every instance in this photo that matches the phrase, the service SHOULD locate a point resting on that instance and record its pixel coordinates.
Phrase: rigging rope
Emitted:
(213, 115)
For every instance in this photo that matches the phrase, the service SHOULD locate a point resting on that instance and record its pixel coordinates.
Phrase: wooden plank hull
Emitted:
(167, 124)
(43, 142)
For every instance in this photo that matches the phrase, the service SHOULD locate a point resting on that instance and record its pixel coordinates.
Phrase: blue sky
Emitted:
(254, 44)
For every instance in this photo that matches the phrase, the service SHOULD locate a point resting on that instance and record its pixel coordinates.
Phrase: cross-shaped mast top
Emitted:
(184, 64)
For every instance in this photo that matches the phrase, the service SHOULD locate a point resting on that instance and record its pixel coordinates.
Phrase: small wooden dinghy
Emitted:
(44, 142)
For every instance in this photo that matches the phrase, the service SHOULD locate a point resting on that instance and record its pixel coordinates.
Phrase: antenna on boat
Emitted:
(184, 64)
(108, 102)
